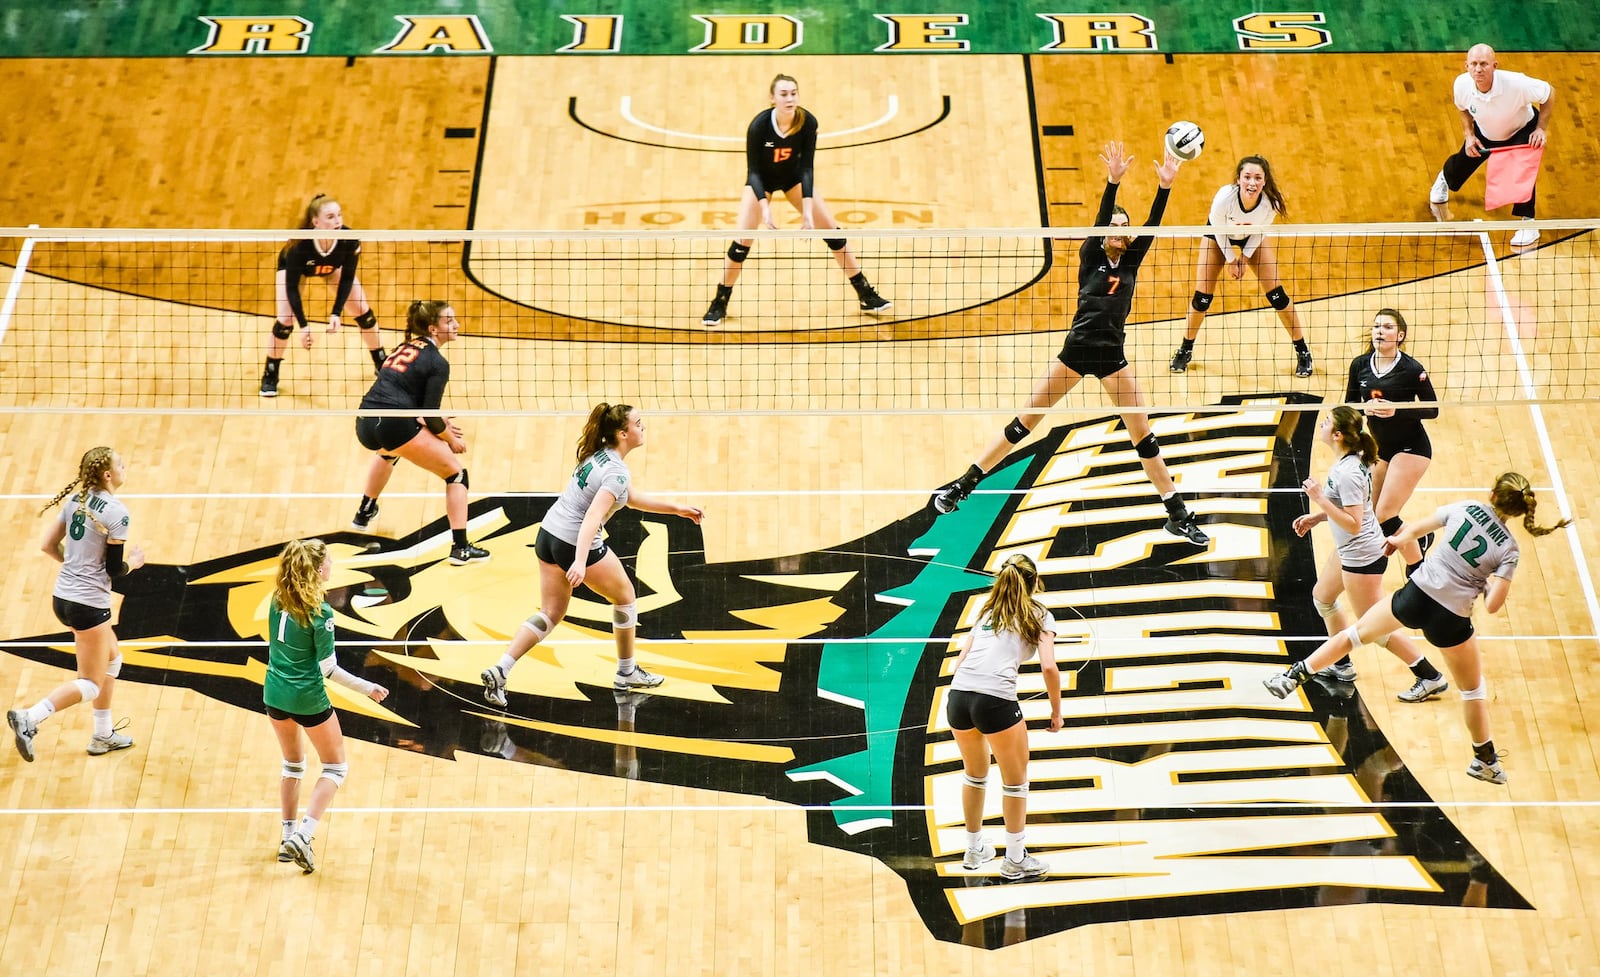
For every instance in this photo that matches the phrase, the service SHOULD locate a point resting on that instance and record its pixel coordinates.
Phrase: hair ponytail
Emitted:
(1011, 606)
(92, 468)
(1347, 423)
(605, 422)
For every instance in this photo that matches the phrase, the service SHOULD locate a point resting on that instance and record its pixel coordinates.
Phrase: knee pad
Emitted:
(1327, 610)
(114, 667)
(1478, 694)
(1015, 790)
(294, 770)
(835, 243)
(738, 252)
(1200, 301)
(459, 478)
(282, 330)
(1382, 641)
(1354, 636)
(976, 783)
(367, 320)
(1016, 431)
(1278, 298)
(87, 689)
(624, 617)
(539, 624)
(393, 460)
(1391, 525)
(1148, 447)
(335, 772)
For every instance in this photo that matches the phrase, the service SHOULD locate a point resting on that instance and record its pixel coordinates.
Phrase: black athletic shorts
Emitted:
(1406, 443)
(79, 617)
(1375, 567)
(991, 714)
(561, 553)
(386, 433)
(1091, 361)
(306, 721)
(1442, 627)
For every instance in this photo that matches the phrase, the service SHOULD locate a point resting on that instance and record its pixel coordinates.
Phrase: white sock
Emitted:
(974, 840)
(625, 666)
(102, 723)
(42, 710)
(288, 828)
(307, 828)
(1015, 849)
(505, 665)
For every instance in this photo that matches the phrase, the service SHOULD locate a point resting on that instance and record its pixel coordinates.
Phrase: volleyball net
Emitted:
(552, 322)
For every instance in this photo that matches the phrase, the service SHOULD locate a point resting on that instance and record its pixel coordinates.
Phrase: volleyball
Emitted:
(1185, 140)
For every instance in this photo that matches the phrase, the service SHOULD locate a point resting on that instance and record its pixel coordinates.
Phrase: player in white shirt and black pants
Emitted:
(90, 541)
(1476, 554)
(1252, 198)
(984, 715)
(1356, 565)
(1498, 108)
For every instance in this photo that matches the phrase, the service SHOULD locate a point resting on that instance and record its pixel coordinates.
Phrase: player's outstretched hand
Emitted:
(1116, 161)
(1167, 169)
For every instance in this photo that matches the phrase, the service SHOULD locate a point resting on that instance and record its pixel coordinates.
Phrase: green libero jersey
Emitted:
(294, 661)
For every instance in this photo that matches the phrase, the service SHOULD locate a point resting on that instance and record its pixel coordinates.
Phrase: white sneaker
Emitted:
(975, 857)
(636, 679)
(1423, 690)
(1029, 868)
(299, 848)
(1525, 238)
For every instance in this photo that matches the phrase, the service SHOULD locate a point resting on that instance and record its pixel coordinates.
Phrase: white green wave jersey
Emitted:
(601, 470)
(991, 664)
(83, 578)
(1473, 546)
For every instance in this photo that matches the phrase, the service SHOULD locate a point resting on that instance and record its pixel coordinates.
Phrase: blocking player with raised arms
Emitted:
(413, 378)
(1108, 270)
(780, 152)
(329, 258)
(90, 541)
(572, 552)
(1476, 555)
(1385, 376)
(300, 655)
(1252, 198)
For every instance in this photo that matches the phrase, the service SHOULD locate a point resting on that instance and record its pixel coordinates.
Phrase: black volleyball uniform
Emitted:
(777, 162)
(412, 378)
(1094, 343)
(1406, 381)
(302, 259)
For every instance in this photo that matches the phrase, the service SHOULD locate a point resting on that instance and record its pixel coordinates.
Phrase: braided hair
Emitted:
(1512, 495)
(92, 470)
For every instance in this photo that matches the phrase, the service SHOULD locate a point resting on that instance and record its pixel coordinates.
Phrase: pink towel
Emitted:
(1512, 170)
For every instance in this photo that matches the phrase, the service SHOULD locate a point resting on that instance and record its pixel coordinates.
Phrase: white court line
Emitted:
(685, 493)
(774, 808)
(1510, 322)
(15, 287)
(627, 114)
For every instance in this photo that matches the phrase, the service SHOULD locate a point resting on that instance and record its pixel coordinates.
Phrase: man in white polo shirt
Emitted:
(1498, 108)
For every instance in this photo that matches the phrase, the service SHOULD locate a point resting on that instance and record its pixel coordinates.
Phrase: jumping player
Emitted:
(780, 149)
(1108, 270)
(572, 552)
(1476, 555)
(414, 378)
(90, 541)
(1388, 375)
(1240, 202)
(329, 258)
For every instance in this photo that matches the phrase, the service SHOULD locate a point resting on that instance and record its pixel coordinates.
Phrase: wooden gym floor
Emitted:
(706, 830)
